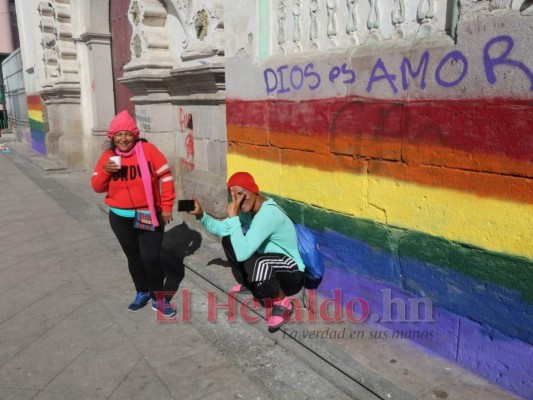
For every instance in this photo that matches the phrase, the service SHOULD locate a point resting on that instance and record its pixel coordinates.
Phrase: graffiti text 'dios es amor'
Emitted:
(497, 52)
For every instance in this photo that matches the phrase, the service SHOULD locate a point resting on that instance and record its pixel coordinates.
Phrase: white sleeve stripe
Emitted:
(95, 173)
(168, 178)
(163, 168)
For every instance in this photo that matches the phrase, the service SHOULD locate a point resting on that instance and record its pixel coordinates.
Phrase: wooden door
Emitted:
(120, 52)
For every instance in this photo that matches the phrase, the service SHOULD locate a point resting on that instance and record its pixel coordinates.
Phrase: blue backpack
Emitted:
(310, 253)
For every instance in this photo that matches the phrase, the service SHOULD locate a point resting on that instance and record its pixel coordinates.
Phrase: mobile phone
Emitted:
(185, 205)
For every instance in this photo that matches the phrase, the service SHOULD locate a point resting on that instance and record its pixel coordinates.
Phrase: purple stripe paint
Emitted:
(367, 273)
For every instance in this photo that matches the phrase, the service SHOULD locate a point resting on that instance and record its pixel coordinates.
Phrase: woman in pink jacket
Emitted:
(140, 196)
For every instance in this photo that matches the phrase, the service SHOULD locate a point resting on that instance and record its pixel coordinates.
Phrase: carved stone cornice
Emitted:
(199, 85)
(91, 38)
(146, 83)
(99, 131)
(61, 93)
(147, 67)
(197, 80)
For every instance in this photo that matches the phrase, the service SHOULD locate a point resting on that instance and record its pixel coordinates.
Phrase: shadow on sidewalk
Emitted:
(178, 243)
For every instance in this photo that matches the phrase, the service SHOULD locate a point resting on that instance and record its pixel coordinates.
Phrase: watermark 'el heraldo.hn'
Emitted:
(328, 310)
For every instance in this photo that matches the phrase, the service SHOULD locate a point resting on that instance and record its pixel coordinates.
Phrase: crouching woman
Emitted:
(260, 243)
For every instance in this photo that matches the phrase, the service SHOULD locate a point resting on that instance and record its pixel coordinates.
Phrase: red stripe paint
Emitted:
(500, 127)
(34, 102)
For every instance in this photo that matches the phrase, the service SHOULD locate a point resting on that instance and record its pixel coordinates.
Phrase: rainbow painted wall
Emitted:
(36, 119)
(416, 177)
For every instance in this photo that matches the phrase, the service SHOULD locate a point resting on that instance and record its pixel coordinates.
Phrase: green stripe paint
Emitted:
(36, 125)
(512, 272)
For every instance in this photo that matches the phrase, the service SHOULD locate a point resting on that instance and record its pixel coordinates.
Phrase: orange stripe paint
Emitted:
(484, 184)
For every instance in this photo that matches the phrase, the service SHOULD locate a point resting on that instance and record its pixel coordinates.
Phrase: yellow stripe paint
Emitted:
(36, 115)
(492, 224)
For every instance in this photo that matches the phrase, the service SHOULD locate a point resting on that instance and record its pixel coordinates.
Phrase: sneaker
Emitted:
(164, 307)
(282, 310)
(141, 299)
(240, 289)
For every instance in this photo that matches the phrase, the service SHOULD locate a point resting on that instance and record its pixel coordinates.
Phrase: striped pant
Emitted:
(269, 271)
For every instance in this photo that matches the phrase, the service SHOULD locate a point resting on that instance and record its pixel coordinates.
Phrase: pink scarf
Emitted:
(145, 175)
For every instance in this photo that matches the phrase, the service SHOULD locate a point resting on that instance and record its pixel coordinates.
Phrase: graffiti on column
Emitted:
(144, 120)
(37, 126)
(186, 127)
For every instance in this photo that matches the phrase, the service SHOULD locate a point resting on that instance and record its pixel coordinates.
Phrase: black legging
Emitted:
(142, 249)
(265, 273)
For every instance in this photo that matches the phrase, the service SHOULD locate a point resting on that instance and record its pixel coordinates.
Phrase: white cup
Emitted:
(117, 160)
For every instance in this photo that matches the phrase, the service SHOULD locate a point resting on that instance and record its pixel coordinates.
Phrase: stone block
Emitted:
(210, 122)
(156, 117)
(209, 189)
(216, 161)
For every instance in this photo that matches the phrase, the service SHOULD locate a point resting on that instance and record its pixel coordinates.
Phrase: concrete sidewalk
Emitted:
(65, 331)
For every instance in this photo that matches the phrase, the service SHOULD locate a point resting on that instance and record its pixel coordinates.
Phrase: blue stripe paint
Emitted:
(38, 141)
(487, 303)
(353, 255)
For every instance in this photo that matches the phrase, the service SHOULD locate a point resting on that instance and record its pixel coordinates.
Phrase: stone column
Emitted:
(61, 91)
(98, 90)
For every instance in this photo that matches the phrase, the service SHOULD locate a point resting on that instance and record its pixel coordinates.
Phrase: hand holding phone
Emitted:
(185, 205)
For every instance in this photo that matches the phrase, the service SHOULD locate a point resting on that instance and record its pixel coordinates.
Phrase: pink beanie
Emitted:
(123, 122)
(244, 180)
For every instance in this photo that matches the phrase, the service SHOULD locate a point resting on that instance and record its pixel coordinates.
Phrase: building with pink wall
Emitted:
(8, 38)
(8, 43)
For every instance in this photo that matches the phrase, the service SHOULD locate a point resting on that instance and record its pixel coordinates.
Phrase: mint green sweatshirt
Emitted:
(270, 231)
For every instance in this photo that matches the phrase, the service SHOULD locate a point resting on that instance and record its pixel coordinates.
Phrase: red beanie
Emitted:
(244, 180)
(123, 122)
